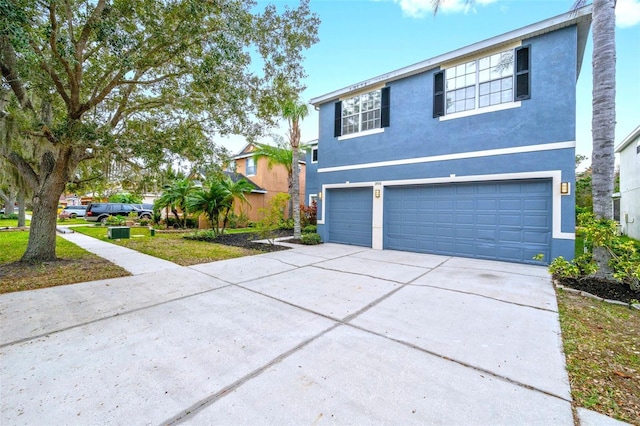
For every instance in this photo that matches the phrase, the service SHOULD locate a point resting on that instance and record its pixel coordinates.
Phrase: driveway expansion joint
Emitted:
(462, 363)
(485, 297)
(205, 402)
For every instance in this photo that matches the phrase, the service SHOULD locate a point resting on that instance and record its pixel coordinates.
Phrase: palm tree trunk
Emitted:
(295, 194)
(604, 118)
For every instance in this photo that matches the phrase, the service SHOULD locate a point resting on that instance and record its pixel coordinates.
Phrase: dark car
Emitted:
(73, 211)
(99, 212)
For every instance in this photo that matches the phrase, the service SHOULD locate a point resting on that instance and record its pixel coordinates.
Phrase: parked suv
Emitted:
(99, 212)
(73, 211)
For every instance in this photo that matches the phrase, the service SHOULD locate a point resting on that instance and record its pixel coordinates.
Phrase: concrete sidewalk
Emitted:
(325, 333)
(133, 261)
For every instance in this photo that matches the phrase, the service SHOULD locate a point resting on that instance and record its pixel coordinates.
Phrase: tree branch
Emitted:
(54, 76)
(24, 168)
(7, 64)
(54, 49)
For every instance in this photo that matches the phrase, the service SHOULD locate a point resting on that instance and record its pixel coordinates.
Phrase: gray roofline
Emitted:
(630, 138)
(580, 17)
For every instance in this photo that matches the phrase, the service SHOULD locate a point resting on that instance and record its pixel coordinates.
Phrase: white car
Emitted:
(73, 211)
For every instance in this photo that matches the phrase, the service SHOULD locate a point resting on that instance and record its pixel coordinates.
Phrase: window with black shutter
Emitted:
(438, 94)
(337, 124)
(523, 76)
(384, 108)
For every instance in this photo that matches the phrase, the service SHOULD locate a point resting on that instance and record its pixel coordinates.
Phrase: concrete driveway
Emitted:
(324, 334)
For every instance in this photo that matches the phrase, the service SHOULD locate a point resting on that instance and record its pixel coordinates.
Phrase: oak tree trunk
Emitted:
(47, 188)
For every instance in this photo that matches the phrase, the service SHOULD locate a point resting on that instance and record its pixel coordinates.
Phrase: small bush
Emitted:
(11, 216)
(144, 222)
(310, 229)
(287, 224)
(115, 220)
(311, 239)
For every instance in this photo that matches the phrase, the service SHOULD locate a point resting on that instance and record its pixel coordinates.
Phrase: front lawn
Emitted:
(602, 349)
(76, 265)
(11, 223)
(170, 246)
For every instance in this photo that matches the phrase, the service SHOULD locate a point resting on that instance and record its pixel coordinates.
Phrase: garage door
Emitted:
(508, 220)
(349, 216)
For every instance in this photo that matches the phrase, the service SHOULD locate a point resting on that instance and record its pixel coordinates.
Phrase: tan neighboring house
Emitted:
(268, 181)
(629, 152)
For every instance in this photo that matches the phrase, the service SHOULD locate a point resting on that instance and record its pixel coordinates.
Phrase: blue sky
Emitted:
(361, 39)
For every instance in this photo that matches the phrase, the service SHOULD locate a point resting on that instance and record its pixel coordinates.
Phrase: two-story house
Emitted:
(629, 152)
(268, 181)
(470, 153)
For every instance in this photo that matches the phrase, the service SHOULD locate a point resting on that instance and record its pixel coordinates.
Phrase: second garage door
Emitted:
(507, 220)
(349, 216)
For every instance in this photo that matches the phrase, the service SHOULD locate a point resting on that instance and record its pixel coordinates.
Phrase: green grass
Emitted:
(75, 265)
(169, 246)
(602, 349)
(11, 223)
(76, 221)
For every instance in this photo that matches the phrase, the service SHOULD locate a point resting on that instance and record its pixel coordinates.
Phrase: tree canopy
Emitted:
(137, 81)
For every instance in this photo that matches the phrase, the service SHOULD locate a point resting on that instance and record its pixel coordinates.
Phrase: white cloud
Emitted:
(420, 8)
(627, 13)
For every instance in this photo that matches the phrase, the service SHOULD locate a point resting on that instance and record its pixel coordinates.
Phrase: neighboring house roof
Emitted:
(580, 17)
(312, 142)
(237, 176)
(629, 139)
(246, 153)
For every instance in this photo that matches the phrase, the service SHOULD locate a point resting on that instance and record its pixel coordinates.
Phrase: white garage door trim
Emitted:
(378, 202)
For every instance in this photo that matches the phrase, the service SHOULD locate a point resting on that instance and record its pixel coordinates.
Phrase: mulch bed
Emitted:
(245, 240)
(606, 289)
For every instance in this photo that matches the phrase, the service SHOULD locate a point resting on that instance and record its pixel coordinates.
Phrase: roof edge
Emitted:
(578, 17)
(630, 138)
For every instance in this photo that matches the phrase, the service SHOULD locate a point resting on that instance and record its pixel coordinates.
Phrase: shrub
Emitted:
(272, 217)
(625, 257)
(311, 239)
(115, 220)
(144, 222)
(287, 224)
(309, 229)
(308, 215)
(11, 216)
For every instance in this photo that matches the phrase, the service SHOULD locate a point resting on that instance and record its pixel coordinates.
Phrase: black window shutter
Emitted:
(384, 107)
(523, 75)
(438, 94)
(337, 124)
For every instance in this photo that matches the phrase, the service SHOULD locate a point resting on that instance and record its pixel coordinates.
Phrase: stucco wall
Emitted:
(630, 190)
(547, 118)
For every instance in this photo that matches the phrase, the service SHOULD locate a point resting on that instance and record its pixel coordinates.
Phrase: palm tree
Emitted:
(603, 122)
(278, 156)
(293, 112)
(216, 200)
(175, 198)
(236, 191)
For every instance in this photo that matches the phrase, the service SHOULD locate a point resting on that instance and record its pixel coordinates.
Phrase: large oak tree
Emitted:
(143, 78)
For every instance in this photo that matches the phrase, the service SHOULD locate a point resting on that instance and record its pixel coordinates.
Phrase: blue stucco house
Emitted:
(470, 153)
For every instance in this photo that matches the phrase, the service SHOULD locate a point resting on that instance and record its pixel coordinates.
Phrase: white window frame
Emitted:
(470, 75)
(254, 169)
(314, 149)
(358, 112)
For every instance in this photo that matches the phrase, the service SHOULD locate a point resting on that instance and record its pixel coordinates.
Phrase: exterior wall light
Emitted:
(564, 188)
(377, 193)
(320, 195)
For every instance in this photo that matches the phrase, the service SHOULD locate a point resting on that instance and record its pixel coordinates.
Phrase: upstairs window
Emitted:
(314, 154)
(491, 80)
(363, 112)
(251, 166)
